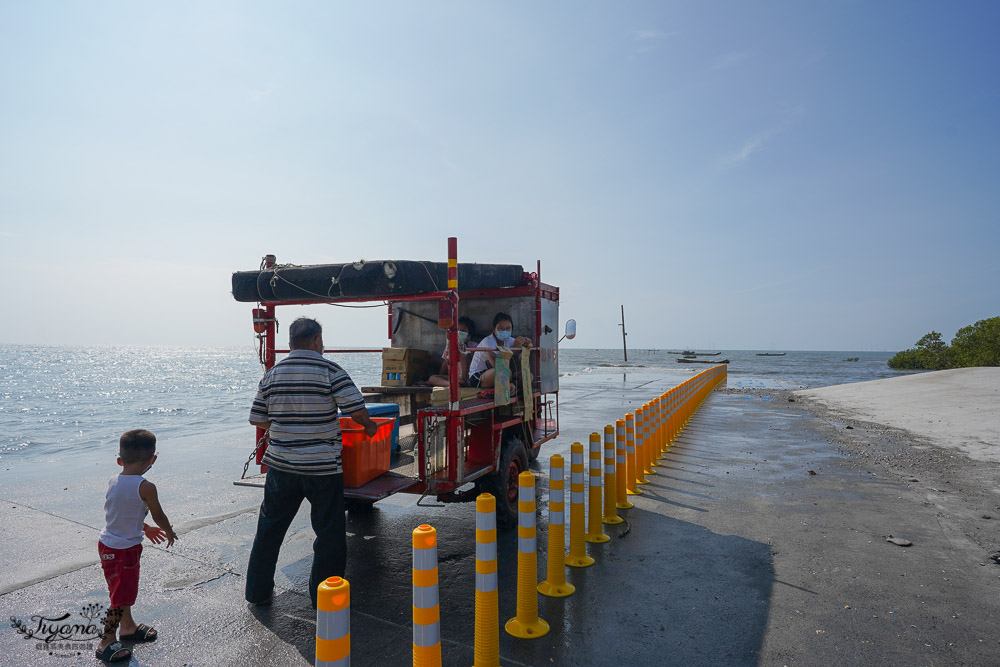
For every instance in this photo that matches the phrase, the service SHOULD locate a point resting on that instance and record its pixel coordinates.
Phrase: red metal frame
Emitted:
(483, 439)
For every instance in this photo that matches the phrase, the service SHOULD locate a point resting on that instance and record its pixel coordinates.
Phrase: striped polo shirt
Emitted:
(300, 396)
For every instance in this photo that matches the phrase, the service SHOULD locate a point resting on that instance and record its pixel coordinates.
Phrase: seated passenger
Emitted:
(481, 370)
(466, 337)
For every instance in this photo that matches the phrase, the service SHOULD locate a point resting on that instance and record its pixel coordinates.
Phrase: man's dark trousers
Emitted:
(283, 493)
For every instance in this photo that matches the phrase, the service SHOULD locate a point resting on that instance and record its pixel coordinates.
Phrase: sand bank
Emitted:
(958, 408)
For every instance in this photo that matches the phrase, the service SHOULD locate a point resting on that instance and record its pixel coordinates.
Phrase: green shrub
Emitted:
(975, 345)
(979, 344)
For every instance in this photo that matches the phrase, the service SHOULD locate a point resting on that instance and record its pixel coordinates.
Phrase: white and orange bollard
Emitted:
(633, 469)
(647, 438)
(621, 467)
(577, 546)
(654, 431)
(486, 650)
(526, 623)
(595, 530)
(641, 449)
(555, 584)
(333, 623)
(426, 610)
(610, 479)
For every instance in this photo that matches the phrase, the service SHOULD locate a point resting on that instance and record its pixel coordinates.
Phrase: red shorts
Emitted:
(121, 569)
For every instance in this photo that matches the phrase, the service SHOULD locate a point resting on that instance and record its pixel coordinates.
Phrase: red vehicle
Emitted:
(455, 442)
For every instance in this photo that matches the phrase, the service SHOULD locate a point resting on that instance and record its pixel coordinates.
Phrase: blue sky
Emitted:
(788, 175)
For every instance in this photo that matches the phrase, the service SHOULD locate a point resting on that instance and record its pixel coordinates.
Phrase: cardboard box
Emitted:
(440, 394)
(402, 366)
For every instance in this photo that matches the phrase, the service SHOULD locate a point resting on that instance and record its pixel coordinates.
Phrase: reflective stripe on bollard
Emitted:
(333, 623)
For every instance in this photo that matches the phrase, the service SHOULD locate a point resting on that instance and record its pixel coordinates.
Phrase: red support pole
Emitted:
(454, 421)
(454, 361)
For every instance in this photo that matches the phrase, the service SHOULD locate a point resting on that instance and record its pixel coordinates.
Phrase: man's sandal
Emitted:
(143, 633)
(112, 651)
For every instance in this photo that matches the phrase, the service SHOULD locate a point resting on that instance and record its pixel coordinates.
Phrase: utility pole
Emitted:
(622, 325)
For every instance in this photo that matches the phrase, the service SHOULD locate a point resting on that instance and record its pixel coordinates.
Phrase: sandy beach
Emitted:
(957, 408)
(736, 554)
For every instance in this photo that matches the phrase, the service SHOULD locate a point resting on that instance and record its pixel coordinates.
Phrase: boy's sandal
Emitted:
(143, 633)
(111, 653)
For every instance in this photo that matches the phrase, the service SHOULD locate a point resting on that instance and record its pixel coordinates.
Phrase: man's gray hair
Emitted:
(302, 332)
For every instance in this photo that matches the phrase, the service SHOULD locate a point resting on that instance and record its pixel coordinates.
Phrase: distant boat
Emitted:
(692, 353)
(770, 354)
(852, 358)
(685, 360)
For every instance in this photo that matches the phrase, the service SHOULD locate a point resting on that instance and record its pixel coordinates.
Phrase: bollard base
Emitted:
(556, 590)
(625, 505)
(597, 538)
(612, 520)
(637, 492)
(527, 630)
(581, 561)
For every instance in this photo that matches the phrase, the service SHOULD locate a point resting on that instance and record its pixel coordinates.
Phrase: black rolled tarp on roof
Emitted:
(380, 279)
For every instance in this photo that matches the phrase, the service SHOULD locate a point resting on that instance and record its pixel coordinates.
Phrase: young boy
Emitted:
(129, 499)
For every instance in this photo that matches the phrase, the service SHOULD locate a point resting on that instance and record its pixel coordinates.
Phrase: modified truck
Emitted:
(449, 443)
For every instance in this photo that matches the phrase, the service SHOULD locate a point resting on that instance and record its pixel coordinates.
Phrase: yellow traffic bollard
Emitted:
(555, 584)
(632, 469)
(577, 547)
(595, 532)
(647, 438)
(426, 612)
(621, 467)
(487, 641)
(333, 623)
(610, 479)
(526, 624)
(654, 431)
(641, 451)
(664, 440)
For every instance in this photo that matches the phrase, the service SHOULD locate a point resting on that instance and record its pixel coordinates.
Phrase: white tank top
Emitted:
(124, 512)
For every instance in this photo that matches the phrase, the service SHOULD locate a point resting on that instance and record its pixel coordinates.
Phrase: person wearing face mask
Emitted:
(466, 338)
(481, 369)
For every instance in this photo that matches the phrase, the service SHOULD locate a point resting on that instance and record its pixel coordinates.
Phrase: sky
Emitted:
(744, 175)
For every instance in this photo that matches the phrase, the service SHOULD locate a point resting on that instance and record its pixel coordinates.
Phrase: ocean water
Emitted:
(59, 401)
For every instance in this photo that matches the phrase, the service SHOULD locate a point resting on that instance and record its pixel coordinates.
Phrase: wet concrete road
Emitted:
(735, 555)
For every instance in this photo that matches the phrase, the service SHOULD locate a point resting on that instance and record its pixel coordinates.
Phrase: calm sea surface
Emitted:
(57, 400)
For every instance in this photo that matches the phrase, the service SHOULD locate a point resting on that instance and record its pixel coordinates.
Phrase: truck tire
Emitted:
(503, 483)
(533, 453)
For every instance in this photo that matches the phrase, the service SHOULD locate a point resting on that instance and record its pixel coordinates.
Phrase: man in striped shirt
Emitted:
(297, 402)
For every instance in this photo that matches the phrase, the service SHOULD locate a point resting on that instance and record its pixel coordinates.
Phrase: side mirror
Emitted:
(570, 330)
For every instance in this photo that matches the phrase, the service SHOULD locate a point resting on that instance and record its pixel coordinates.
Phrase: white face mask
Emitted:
(463, 336)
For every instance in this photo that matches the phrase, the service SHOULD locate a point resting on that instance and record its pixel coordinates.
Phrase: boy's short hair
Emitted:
(136, 446)
(302, 331)
(502, 317)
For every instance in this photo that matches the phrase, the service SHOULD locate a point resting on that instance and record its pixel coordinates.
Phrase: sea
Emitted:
(57, 402)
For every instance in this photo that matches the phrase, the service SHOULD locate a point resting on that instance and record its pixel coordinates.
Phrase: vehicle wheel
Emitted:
(355, 506)
(533, 453)
(503, 483)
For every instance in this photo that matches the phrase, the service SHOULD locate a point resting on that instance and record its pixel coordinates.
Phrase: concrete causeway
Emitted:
(736, 554)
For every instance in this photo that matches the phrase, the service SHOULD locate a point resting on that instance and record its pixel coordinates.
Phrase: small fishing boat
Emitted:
(685, 360)
(770, 354)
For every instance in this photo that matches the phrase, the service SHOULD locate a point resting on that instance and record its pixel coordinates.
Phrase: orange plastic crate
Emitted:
(365, 458)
